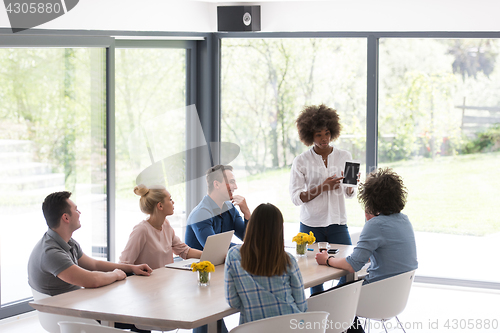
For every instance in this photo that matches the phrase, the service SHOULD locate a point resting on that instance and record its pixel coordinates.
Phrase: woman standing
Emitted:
(316, 176)
(153, 241)
(263, 280)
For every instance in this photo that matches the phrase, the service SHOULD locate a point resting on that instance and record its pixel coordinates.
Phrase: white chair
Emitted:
(49, 321)
(341, 302)
(364, 270)
(385, 299)
(311, 322)
(355, 237)
(72, 327)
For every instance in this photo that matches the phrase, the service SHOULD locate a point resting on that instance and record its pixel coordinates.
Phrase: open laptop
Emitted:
(215, 251)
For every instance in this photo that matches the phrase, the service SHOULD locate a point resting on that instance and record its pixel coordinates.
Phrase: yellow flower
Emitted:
(302, 238)
(204, 266)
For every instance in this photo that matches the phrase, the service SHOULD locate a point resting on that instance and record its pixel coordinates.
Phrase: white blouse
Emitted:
(308, 171)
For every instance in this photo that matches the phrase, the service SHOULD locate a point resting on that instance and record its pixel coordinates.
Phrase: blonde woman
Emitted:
(153, 241)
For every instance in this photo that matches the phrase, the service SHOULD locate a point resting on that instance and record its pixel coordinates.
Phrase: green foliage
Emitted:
(266, 83)
(150, 109)
(473, 56)
(421, 114)
(486, 141)
(48, 98)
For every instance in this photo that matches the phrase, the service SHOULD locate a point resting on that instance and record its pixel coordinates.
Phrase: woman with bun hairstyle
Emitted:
(316, 175)
(153, 241)
(261, 279)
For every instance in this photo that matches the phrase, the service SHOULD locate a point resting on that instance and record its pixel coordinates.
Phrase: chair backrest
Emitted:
(386, 298)
(38, 295)
(355, 237)
(341, 302)
(49, 321)
(311, 322)
(72, 327)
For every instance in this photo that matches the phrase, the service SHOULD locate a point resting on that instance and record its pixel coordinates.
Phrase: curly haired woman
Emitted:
(316, 175)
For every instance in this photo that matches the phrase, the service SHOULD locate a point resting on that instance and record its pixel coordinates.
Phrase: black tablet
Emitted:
(351, 171)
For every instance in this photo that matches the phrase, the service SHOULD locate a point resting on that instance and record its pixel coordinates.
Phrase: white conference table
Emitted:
(170, 298)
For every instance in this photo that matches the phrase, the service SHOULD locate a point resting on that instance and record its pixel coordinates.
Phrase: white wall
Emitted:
(381, 15)
(132, 15)
(336, 15)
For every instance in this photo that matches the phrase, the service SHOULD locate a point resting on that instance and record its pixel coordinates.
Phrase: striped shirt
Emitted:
(259, 297)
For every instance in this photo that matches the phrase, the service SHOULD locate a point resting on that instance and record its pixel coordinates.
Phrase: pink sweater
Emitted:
(147, 245)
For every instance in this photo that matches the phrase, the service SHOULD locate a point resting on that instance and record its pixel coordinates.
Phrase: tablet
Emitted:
(351, 171)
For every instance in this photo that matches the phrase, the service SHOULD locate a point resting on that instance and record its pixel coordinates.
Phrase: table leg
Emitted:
(213, 327)
(108, 323)
(351, 277)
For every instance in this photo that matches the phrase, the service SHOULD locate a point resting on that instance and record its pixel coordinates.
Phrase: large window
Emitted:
(150, 128)
(52, 138)
(53, 104)
(439, 127)
(265, 84)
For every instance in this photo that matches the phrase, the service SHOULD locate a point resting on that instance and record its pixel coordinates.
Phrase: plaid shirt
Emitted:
(259, 297)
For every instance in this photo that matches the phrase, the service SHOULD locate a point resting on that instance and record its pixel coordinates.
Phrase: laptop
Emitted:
(215, 251)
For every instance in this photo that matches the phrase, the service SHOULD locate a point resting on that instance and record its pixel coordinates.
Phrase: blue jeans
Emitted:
(334, 233)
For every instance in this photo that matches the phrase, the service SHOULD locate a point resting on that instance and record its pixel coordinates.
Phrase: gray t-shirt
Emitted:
(50, 256)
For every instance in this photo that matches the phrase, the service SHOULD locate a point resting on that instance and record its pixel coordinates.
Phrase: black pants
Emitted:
(131, 327)
(204, 328)
(356, 327)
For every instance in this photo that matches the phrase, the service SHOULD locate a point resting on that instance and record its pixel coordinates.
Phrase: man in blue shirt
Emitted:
(387, 239)
(216, 212)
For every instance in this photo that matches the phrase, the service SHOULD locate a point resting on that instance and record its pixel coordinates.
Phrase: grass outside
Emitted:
(451, 194)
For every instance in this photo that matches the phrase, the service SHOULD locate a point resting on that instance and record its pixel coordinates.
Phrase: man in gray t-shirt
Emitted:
(50, 256)
(57, 263)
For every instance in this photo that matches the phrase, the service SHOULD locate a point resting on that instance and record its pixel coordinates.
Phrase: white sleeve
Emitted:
(297, 183)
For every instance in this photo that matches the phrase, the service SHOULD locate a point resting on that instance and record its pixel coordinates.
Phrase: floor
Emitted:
(430, 309)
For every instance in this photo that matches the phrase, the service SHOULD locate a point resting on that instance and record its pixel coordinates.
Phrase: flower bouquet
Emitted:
(302, 239)
(204, 268)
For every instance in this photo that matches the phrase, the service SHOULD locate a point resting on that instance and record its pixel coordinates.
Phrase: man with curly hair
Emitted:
(316, 175)
(387, 239)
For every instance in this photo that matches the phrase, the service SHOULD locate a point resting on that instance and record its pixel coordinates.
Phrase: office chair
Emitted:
(341, 302)
(385, 299)
(49, 320)
(286, 323)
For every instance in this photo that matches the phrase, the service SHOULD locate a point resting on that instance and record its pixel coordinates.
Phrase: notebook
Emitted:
(215, 251)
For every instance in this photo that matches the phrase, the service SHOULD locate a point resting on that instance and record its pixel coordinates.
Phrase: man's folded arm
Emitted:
(79, 276)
